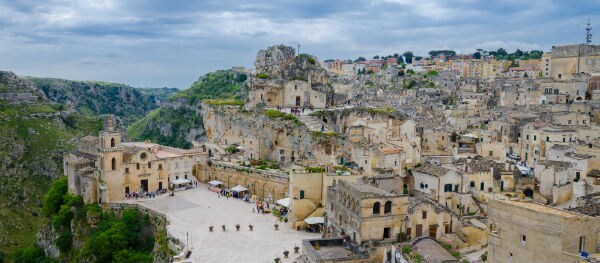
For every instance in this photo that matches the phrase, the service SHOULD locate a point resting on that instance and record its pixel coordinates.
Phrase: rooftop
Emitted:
(431, 169)
(542, 208)
(592, 209)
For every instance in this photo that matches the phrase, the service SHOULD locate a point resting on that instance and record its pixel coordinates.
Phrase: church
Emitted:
(105, 169)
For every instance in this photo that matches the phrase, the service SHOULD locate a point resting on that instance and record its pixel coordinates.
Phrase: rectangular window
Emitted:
(456, 188)
(424, 215)
(472, 184)
(447, 188)
(126, 170)
(491, 153)
(481, 186)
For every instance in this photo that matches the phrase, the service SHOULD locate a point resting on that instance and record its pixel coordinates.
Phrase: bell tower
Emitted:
(110, 160)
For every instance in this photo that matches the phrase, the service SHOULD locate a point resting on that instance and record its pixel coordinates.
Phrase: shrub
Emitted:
(406, 249)
(54, 198)
(65, 240)
(232, 149)
(315, 169)
(31, 254)
(262, 76)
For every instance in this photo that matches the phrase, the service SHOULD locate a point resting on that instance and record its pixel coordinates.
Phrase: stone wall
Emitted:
(264, 184)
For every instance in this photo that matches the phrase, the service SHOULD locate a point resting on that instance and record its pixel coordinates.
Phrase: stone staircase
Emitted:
(313, 123)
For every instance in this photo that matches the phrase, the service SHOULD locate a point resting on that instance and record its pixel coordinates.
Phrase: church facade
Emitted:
(105, 169)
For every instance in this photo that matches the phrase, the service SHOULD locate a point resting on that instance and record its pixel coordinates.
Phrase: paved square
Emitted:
(194, 210)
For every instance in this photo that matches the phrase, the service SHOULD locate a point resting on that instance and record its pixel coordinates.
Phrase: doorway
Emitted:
(419, 231)
(297, 100)
(433, 231)
(386, 233)
(160, 186)
(144, 185)
(501, 186)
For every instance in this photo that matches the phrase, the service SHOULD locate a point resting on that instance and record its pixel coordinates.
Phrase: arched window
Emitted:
(387, 207)
(113, 164)
(112, 142)
(376, 208)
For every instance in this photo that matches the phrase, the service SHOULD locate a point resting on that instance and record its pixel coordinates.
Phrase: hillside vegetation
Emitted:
(33, 139)
(87, 234)
(93, 98)
(179, 122)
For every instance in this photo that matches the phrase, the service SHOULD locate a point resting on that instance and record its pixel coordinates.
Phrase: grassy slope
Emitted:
(221, 84)
(31, 150)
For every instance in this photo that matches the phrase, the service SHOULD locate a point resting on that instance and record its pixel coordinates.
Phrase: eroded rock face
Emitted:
(17, 90)
(272, 60)
(280, 63)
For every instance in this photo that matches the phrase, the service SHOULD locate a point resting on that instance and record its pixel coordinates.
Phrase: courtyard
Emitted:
(191, 212)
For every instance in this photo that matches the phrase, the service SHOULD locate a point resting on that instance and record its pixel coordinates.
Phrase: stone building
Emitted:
(289, 80)
(437, 182)
(427, 218)
(556, 182)
(569, 60)
(104, 169)
(365, 213)
(530, 232)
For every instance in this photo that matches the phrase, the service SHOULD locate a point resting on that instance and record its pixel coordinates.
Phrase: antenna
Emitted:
(588, 34)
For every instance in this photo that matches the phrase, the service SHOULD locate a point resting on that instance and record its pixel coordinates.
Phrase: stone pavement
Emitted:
(192, 211)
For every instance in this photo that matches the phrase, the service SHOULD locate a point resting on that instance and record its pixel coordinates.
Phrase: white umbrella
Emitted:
(238, 188)
(314, 220)
(215, 182)
(181, 181)
(283, 202)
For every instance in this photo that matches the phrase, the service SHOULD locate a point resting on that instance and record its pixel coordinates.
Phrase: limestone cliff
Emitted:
(97, 97)
(179, 122)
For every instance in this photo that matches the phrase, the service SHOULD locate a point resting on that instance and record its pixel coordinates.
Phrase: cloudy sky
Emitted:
(148, 43)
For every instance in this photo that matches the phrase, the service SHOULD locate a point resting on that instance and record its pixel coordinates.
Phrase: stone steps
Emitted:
(312, 122)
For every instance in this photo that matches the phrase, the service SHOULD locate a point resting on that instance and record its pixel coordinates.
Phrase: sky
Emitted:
(150, 43)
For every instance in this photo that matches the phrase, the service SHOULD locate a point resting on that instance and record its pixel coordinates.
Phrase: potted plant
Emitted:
(286, 253)
(237, 227)
(223, 226)
(211, 227)
(251, 227)
(277, 260)
(296, 249)
(276, 226)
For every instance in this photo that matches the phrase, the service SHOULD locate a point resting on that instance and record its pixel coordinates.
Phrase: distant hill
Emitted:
(93, 98)
(34, 134)
(178, 122)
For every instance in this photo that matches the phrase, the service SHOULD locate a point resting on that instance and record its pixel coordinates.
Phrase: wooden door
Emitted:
(433, 231)
(419, 231)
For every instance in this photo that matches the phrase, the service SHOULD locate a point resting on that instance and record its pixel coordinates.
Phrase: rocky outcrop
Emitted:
(96, 97)
(17, 90)
(279, 63)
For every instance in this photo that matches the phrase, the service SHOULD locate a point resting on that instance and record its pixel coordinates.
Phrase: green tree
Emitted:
(477, 55)
(54, 198)
(376, 57)
(408, 56)
(360, 59)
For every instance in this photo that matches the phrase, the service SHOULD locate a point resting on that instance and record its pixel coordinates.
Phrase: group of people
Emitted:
(225, 193)
(142, 194)
(297, 110)
(260, 206)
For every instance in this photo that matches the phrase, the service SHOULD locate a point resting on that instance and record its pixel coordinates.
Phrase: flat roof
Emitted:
(542, 208)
